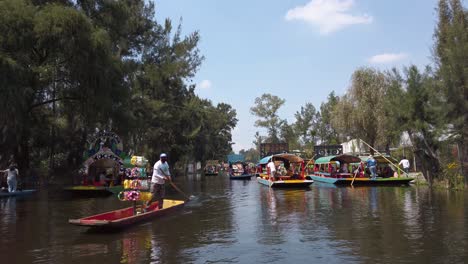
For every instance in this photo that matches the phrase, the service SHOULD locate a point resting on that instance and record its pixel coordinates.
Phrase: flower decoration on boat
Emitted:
(135, 173)
(136, 184)
(132, 195)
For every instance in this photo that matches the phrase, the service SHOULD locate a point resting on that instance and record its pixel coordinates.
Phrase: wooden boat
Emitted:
(125, 217)
(239, 170)
(294, 176)
(17, 193)
(240, 177)
(211, 168)
(330, 170)
(91, 190)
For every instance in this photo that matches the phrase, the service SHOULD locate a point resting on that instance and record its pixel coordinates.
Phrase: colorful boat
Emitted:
(239, 170)
(292, 176)
(17, 193)
(90, 190)
(346, 169)
(103, 170)
(211, 168)
(126, 217)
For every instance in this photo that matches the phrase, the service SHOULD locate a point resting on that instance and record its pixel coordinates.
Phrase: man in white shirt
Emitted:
(160, 174)
(271, 166)
(406, 165)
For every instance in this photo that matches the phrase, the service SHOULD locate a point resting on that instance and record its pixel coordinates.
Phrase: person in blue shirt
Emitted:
(372, 165)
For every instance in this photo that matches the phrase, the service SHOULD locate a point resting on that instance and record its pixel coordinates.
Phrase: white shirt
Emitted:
(160, 171)
(11, 174)
(271, 166)
(405, 163)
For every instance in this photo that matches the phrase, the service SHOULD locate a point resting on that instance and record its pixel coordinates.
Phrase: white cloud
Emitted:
(205, 84)
(385, 58)
(328, 15)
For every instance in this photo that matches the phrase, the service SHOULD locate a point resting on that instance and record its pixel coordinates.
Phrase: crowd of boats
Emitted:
(108, 172)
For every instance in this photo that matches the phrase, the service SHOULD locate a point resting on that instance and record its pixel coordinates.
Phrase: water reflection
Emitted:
(244, 222)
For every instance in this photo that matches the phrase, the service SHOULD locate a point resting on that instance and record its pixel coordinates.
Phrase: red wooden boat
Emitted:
(126, 217)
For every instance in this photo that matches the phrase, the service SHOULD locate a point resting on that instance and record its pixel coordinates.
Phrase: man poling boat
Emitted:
(136, 191)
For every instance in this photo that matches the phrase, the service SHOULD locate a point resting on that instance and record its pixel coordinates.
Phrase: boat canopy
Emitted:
(380, 159)
(340, 158)
(284, 156)
(233, 158)
(212, 162)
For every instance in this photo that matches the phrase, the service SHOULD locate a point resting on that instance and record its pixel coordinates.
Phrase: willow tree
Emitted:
(361, 113)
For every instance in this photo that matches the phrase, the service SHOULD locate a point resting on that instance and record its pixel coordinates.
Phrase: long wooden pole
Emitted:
(180, 191)
(396, 166)
(355, 173)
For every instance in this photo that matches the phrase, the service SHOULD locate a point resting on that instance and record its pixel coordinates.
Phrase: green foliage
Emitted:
(266, 109)
(451, 57)
(68, 67)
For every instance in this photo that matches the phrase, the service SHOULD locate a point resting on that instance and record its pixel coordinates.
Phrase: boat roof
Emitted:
(340, 158)
(232, 158)
(284, 156)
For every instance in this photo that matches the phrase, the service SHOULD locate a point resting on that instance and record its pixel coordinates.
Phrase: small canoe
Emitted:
(211, 173)
(285, 183)
(94, 190)
(17, 193)
(124, 217)
(362, 181)
(240, 177)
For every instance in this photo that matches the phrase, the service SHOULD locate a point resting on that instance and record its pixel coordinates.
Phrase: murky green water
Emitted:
(245, 222)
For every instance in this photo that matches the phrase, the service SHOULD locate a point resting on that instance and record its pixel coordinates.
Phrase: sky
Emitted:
(299, 50)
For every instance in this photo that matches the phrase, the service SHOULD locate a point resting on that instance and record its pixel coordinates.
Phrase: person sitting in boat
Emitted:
(103, 181)
(12, 174)
(344, 168)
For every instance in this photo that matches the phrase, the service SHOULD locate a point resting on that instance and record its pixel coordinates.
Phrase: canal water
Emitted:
(245, 222)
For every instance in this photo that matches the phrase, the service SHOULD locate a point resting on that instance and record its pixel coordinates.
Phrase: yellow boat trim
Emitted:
(86, 188)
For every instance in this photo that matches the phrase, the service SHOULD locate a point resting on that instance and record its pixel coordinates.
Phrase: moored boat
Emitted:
(126, 217)
(346, 169)
(290, 176)
(103, 170)
(17, 193)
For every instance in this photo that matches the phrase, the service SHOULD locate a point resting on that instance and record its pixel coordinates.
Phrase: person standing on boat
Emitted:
(160, 174)
(372, 165)
(406, 165)
(271, 166)
(13, 173)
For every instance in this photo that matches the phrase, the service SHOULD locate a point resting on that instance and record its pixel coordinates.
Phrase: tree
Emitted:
(451, 57)
(421, 119)
(326, 132)
(266, 109)
(360, 113)
(307, 126)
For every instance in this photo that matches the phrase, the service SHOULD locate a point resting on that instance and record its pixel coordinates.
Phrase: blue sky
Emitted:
(300, 50)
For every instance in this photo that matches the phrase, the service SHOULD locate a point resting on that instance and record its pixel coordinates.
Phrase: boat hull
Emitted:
(211, 174)
(124, 217)
(362, 181)
(285, 183)
(17, 193)
(241, 177)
